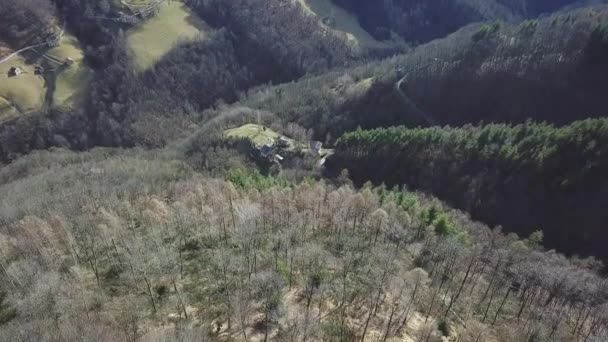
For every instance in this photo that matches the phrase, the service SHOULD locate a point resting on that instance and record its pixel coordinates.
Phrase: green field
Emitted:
(260, 136)
(255, 133)
(152, 40)
(343, 21)
(364, 85)
(148, 43)
(20, 94)
(25, 93)
(7, 111)
(71, 82)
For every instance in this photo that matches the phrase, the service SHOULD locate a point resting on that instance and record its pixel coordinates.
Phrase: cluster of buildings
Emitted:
(138, 13)
(272, 150)
(38, 69)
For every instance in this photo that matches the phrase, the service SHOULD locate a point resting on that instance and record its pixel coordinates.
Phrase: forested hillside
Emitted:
(135, 245)
(24, 21)
(546, 70)
(421, 21)
(125, 107)
(303, 170)
(525, 177)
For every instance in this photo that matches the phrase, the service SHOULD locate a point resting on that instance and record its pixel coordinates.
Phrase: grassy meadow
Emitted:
(343, 21)
(70, 83)
(152, 40)
(19, 94)
(253, 132)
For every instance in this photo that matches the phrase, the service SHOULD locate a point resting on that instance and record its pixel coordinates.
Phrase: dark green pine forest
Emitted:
(525, 177)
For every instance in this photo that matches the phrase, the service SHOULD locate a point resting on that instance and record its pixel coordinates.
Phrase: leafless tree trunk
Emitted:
(502, 303)
(455, 297)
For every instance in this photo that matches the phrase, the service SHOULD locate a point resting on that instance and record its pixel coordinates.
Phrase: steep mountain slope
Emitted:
(483, 73)
(337, 19)
(421, 21)
(106, 244)
(150, 91)
(181, 228)
(525, 177)
(253, 45)
(550, 69)
(294, 41)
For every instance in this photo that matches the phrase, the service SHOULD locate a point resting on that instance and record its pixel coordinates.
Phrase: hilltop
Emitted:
(143, 235)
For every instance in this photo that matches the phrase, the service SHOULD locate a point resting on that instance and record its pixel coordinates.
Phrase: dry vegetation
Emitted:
(190, 243)
(138, 246)
(26, 22)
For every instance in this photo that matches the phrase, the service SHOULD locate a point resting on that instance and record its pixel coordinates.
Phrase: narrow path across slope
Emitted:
(33, 46)
(20, 51)
(427, 117)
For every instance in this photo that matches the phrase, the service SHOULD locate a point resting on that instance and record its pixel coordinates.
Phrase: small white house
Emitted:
(15, 71)
(68, 61)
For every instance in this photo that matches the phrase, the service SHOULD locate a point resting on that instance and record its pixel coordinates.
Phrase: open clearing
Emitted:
(7, 111)
(343, 22)
(25, 93)
(71, 82)
(260, 136)
(257, 134)
(20, 94)
(153, 39)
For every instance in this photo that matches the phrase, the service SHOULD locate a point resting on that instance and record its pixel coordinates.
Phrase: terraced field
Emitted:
(153, 39)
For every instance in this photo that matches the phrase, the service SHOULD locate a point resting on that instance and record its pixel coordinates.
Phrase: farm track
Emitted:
(427, 117)
(32, 46)
(21, 51)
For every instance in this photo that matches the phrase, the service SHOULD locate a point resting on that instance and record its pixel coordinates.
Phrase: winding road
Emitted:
(32, 47)
(20, 51)
(427, 117)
